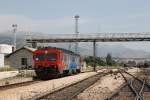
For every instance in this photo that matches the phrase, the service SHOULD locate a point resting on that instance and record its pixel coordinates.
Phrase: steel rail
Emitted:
(130, 84)
(146, 83)
(135, 92)
(139, 96)
(15, 85)
(50, 93)
(117, 92)
(140, 92)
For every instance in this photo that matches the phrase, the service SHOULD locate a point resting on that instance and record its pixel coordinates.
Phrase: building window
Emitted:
(23, 61)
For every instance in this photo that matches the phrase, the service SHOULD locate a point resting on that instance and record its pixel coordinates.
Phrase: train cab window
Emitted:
(40, 57)
(52, 56)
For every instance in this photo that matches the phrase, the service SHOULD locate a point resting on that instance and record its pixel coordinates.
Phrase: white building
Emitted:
(4, 49)
(1, 60)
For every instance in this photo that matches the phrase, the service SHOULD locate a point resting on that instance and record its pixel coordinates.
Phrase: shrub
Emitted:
(26, 73)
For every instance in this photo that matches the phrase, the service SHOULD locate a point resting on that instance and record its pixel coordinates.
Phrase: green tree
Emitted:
(99, 62)
(109, 60)
(146, 64)
(89, 60)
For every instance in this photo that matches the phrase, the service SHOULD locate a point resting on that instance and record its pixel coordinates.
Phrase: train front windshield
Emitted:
(43, 56)
(40, 57)
(52, 56)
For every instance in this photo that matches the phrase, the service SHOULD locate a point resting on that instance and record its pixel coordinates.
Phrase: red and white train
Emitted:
(51, 62)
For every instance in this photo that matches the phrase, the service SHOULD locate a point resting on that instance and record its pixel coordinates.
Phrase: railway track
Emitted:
(16, 85)
(135, 88)
(71, 91)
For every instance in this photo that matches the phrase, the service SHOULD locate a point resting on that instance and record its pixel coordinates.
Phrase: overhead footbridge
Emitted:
(93, 37)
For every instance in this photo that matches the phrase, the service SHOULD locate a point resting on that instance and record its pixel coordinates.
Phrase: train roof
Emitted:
(64, 50)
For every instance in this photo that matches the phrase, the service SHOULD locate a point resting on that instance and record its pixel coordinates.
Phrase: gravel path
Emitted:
(26, 92)
(8, 74)
(13, 80)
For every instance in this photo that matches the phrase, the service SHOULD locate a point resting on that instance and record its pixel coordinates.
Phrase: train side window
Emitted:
(73, 59)
(68, 57)
(77, 60)
(65, 58)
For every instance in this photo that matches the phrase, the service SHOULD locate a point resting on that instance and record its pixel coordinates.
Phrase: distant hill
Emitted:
(123, 52)
(85, 49)
(116, 51)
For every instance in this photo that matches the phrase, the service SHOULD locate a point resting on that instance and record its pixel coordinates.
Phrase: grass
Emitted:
(2, 69)
(22, 73)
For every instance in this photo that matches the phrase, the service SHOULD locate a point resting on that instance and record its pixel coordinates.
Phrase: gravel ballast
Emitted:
(26, 92)
(104, 87)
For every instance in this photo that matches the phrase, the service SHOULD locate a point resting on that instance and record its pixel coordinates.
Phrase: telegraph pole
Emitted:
(76, 31)
(14, 31)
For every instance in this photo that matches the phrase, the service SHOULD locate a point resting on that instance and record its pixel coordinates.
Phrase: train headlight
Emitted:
(46, 52)
(36, 59)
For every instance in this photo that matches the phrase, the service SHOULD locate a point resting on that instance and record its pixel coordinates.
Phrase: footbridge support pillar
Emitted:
(94, 55)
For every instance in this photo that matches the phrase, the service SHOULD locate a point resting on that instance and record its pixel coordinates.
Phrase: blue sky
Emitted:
(56, 16)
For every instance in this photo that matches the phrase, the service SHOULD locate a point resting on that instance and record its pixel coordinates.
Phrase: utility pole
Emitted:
(14, 31)
(76, 31)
